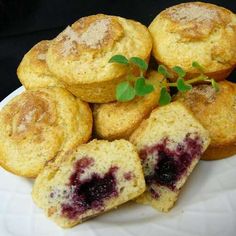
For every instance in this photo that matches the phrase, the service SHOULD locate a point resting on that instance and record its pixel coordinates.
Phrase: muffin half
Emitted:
(89, 180)
(170, 143)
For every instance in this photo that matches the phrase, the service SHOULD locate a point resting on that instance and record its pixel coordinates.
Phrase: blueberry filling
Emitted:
(166, 171)
(128, 175)
(79, 169)
(98, 188)
(89, 193)
(165, 166)
(154, 193)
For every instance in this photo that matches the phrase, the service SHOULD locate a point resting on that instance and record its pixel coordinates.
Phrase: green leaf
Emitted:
(182, 86)
(163, 70)
(119, 59)
(142, 88)
(180, 72)
(215, 85)
(124, 92)
(165, 97)
(139, 62)
(196, 65)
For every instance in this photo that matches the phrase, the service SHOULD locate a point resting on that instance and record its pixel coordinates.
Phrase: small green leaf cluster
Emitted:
(181, 84)
(134, 85)
(139, 86)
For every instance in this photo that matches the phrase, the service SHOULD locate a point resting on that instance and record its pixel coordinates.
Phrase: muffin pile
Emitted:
(90, 153)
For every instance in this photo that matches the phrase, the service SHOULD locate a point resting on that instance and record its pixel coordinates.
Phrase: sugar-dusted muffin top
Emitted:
(37, 124)
(80, 54)
(195, 31)
(33, 71)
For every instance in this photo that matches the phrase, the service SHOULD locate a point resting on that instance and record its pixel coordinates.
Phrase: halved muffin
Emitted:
(89, 180)
(170, 143)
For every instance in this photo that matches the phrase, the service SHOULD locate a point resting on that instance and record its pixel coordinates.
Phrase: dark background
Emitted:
(25, 22)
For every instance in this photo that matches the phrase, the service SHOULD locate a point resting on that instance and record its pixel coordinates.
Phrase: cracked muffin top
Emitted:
(80, 54)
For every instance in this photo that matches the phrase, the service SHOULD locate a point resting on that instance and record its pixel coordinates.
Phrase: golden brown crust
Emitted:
(119, 119)
(196, 31)
(219, 75)
(217, 113)
(80, 54)
(33, 71)
(101, 92)
(173, 120)
(219, 152)
(38, 124)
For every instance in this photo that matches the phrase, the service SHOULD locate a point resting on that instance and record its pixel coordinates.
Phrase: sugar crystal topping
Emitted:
(41, 57)
(192, 12)
(92, 37)
(69, 45)
(95, 33)
(205, 90)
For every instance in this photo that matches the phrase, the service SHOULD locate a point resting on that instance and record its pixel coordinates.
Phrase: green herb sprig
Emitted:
(140, 86)
(134, 85)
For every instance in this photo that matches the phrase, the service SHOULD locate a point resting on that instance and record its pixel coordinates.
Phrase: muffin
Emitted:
(33, 71)
(119, 119)
(80, 54)
(90, 179)
(38, 124)
(217, 113)
(170, 143)
(196, 31)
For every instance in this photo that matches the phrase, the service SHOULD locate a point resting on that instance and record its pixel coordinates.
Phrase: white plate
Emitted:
(206, 206)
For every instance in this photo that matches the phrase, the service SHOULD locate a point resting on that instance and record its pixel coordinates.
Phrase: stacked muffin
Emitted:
(45, 130)
(199, 32)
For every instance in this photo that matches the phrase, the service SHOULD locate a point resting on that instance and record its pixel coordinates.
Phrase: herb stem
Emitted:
(172, 84)
(196, 79)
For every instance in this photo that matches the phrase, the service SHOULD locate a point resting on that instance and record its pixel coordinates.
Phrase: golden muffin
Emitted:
(91, 179)
(196, 31)
(80, 54)
(33, 71)
(38, 124)
(118, 120)
(170, 143)
(217, 113)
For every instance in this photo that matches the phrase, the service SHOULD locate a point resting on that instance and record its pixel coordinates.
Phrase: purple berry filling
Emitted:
(89, 193)
(154, 194)
(79, 169)
(167, 165)
(128, 175)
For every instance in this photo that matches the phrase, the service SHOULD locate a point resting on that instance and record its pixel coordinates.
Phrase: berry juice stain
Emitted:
(91, 192)
(170, 165)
